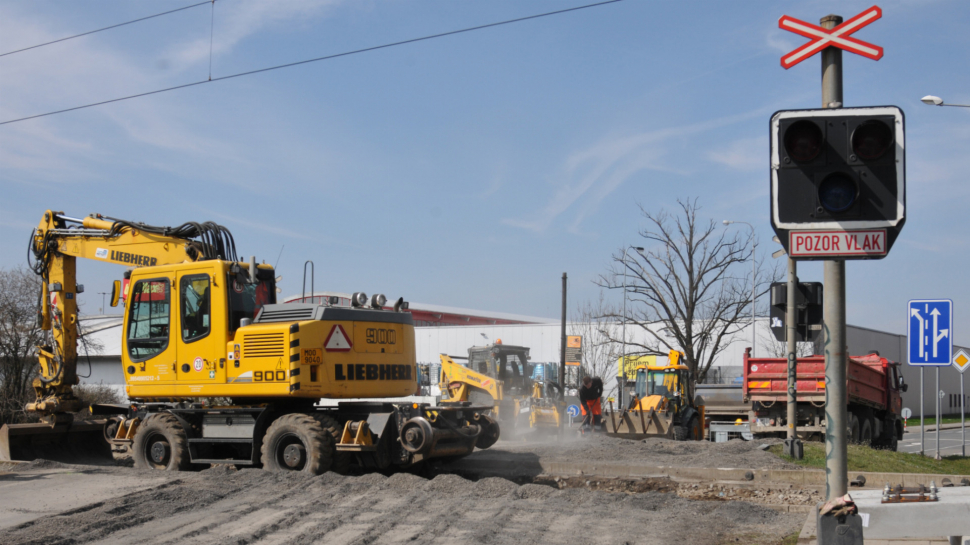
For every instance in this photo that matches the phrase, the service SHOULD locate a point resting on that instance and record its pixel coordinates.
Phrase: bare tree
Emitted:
(684, 291)
(19, 335)
(596, 323)
(773, 348)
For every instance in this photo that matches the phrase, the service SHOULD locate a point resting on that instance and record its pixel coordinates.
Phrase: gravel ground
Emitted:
(224, 506)
(653, 452)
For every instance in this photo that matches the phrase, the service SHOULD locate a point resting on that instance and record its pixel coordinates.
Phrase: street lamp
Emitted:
(623, 354)
(754, 245)
(937, 101)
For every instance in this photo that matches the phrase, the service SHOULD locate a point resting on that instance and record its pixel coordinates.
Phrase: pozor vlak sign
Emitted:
(838, 181)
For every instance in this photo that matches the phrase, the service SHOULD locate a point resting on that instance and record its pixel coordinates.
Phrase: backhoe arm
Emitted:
(57, 243)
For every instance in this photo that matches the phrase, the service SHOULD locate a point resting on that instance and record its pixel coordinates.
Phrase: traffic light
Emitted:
(838, 181)
(808, 313)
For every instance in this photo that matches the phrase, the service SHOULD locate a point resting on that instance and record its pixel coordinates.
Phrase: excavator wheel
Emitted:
(297, 442)
(341, 460)
(694, 432)
(160, 443)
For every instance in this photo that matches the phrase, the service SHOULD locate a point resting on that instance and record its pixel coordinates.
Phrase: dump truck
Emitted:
(217, 372)
(874, 397)
(664, 404)
(501, 376)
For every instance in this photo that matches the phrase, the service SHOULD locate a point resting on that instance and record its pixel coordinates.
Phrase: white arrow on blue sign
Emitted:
(573, 410)
(930, 338)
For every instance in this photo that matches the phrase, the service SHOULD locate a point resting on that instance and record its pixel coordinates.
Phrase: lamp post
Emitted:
(754, 245)
(937, 101)
(622, 371)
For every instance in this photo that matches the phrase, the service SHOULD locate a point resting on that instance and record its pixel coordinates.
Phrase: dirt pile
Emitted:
(653, 452)
(225, 506)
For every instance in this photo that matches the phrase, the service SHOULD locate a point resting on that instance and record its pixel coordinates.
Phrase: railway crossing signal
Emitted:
(838, 180)
(836, 37)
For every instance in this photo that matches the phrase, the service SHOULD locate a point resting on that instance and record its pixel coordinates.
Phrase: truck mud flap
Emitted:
(78, 442)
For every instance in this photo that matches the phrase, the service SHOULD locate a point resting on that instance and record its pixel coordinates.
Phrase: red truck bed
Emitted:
(766, 379)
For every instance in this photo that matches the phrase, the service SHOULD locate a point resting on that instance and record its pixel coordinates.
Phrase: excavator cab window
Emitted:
(148, 318)
(195, 297)
(664, 383)
(246, 300)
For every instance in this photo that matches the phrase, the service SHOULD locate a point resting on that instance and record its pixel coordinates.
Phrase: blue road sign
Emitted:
(572, 410)
(930, 338)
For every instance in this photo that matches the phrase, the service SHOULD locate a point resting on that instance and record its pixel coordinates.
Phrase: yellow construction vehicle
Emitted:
(198, 324)
(664, 404)
(501, 376)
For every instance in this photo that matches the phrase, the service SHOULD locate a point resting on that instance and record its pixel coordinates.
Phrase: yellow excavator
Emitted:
(501, 376)
(663, 404)
(200, 324)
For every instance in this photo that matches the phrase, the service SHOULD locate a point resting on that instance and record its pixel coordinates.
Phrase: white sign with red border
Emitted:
(833, 243)
(837, 37)
(338, 340)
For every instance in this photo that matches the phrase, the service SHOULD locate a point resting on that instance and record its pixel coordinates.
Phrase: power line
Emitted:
(105, 28)
(307, 61)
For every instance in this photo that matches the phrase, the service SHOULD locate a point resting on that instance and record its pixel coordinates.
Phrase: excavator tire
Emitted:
(694, 431)
(297, 442)
(341, 460)
(680, 433)
(160, 443)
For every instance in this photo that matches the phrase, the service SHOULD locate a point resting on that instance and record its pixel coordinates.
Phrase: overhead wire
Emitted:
(316, 59)
(105, 28)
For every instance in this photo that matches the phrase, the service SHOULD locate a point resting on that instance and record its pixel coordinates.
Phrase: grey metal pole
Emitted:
(922, 424)
(963, 416)
(621, 380)
(939, 406)
(836, 400)
(753, 272)
(562, 353)
(793, 446)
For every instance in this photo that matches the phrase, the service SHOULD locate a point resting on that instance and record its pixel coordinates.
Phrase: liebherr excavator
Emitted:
(199, 324)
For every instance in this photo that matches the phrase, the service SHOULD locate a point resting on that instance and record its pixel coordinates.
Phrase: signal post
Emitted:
(838, 193)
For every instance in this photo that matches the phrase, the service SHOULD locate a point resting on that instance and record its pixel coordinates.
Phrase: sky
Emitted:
(470, 170)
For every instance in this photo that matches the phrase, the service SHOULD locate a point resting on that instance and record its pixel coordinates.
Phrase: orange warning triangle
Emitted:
(338, 340)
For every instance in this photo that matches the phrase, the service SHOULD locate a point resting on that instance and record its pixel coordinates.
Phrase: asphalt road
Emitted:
(950, 442)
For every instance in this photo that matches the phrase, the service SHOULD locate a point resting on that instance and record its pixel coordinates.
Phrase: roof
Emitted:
(442, 309)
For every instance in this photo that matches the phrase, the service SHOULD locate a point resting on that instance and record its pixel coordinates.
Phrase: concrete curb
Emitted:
(813, 477)
(954, 426)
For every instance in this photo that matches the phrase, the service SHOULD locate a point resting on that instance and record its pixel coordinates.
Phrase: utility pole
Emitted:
(562, 357)
(836, 417)
(102, 294)
(793, 445)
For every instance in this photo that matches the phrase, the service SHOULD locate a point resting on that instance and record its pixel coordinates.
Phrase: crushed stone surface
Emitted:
(226, 506)
(651, 452)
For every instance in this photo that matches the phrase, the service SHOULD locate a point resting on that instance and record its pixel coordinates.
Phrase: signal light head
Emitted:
(803, 141)
(837, 192)
(871, 139)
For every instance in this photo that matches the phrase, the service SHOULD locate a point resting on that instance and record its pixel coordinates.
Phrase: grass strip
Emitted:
(863, 458)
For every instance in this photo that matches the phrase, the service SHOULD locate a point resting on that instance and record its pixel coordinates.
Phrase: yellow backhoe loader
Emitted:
(664, 405)
(501, 376)
(199, 323)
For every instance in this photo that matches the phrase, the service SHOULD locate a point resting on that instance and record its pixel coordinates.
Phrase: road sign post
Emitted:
(961, 360)
(929, 343)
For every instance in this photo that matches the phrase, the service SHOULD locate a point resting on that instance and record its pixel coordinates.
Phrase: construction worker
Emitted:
(590, 401)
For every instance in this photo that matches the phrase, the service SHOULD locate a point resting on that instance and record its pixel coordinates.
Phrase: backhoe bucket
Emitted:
(77, 442)
(635, 424)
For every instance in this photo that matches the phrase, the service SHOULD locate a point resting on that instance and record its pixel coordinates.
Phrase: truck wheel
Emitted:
(853, 429)
(297, 442)
(160, 443)
(865, 434)
(341, 460)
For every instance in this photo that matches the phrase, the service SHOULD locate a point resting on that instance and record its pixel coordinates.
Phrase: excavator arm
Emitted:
(55, 246)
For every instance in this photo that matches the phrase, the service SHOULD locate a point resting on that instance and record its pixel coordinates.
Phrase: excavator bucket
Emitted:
(77, 442)
(635, 424)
